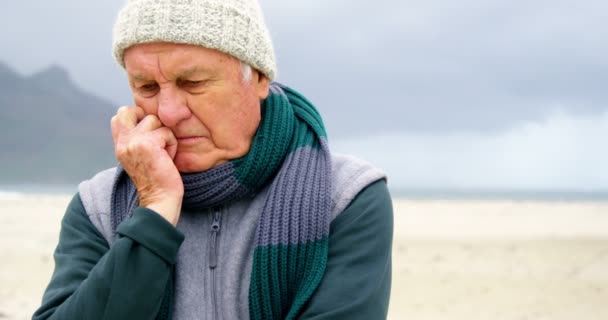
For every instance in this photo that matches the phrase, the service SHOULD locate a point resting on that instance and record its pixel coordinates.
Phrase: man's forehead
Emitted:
(143, 61)
(180, 73)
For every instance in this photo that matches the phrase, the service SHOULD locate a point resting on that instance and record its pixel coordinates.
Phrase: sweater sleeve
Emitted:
(125, 281)
(357, 280)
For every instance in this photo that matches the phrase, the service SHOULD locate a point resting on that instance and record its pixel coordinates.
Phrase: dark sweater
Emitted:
(127, 280)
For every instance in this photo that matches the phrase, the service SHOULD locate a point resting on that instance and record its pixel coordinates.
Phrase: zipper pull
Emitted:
(215, 229)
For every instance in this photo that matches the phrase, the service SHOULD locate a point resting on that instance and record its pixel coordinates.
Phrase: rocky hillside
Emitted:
(51, 132)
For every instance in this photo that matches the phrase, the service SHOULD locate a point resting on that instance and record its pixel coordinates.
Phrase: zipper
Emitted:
(213, 253)
(215, 230)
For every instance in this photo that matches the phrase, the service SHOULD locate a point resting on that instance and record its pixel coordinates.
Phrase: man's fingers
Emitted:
(129, 117)
(133, 130)
(139, 112)
(170, 141)
(126, 118)
(149, 123)
(145, 144)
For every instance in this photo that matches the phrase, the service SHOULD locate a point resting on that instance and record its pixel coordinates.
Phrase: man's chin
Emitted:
(191, 163)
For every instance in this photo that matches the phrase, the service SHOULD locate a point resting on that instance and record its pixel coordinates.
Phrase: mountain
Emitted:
(51, 132)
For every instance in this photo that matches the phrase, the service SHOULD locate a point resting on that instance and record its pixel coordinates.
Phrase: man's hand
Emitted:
(146, 149)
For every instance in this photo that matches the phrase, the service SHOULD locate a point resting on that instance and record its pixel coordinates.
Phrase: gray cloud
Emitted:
(74, 34)
(559, 153)
(432, 65)
(381, 66)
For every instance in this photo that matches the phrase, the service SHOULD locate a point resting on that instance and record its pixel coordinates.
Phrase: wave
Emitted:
(25, 190)
(11, 195)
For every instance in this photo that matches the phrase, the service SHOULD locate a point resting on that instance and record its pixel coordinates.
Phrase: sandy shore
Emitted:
(452, 259)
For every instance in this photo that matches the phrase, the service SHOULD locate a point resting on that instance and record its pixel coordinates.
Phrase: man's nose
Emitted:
(172, 107)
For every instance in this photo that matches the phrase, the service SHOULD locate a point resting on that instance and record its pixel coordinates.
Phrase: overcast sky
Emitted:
(463, 94)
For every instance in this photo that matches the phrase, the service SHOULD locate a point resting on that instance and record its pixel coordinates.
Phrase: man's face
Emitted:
(201, 96)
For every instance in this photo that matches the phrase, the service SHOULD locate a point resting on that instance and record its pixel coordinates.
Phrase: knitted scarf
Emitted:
(289, 152)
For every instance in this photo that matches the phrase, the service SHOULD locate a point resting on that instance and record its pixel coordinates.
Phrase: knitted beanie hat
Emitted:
(235, 27)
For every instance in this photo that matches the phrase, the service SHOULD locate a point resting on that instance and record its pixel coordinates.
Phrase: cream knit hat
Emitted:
(235, 27)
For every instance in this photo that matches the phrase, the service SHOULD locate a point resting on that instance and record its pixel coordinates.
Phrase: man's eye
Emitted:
(192, 83)
(148, 87)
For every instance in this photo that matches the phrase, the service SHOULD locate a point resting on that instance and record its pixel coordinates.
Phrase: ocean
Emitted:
(12, 191)
(515, 195)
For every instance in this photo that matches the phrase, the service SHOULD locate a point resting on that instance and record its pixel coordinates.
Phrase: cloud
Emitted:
(410, 66)
(461, 94)
(442, 66)
(562, 152)
(74, 34)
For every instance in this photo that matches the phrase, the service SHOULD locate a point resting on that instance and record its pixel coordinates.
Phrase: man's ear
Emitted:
(262, 85)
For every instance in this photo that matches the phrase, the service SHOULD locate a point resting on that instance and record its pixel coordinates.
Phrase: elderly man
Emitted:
(227, 203)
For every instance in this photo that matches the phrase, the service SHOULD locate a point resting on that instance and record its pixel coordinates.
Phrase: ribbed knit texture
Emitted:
(289, 152)
(235, 27)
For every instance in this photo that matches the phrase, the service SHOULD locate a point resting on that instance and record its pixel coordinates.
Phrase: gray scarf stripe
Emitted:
(202, 190)
(306, 200)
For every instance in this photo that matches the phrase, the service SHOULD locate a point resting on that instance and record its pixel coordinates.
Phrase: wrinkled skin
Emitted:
(193, 111)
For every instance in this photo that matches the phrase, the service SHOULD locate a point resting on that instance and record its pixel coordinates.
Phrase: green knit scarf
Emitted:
(289, 152)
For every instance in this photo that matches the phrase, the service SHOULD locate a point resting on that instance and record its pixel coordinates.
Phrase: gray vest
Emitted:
(222, 292)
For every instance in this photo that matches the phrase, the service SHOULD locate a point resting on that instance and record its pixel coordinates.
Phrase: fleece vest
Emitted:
(213, 269)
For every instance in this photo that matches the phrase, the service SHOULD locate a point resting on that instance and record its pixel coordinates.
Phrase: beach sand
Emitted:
(500, 260)
(452, 259)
